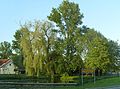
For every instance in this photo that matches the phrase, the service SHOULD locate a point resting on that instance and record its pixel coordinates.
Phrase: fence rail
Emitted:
(36, 84)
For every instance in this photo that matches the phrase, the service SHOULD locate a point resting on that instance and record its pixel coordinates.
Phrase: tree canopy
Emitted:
(5, 50)
(61, 46)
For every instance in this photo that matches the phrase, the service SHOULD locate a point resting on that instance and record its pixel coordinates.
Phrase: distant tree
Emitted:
(16, 42)
(5, 50)
(114, 51)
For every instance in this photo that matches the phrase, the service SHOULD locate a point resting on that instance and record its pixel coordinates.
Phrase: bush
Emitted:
(23, 78)
(69, 79)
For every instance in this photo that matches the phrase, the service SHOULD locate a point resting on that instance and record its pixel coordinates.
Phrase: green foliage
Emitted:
(69, 79)
(98, 54)
(114, 51)
(18, 55)
(36, 43)
(16, 42)
(18, 60)
(63, 49)
(31, 42)
(5, 50)
(23, 78)
(67, 18)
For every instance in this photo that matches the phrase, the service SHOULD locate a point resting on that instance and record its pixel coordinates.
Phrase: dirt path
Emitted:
(115, 87)
(111, 87)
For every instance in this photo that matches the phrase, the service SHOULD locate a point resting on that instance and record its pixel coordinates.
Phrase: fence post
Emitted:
(94, 76)
(82, 76)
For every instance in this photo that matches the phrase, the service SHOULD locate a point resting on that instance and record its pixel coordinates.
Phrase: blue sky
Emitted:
(103, 15)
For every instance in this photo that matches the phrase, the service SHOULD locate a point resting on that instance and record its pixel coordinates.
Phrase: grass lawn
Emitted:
(105, 82)
(100, 83)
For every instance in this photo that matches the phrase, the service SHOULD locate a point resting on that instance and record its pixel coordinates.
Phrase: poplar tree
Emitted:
(68, 19)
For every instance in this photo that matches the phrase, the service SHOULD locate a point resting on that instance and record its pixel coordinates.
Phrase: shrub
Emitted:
(69, 79)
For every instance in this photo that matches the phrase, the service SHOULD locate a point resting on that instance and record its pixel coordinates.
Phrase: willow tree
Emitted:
(34, 47)
(67, 18)
(49, 38)
(26, 46)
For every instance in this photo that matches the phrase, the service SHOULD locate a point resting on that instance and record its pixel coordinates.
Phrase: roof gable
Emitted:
(4, 62)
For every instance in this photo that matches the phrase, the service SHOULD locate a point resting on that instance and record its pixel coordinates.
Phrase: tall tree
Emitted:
(97, 51)
(5, 50)
(67, 18)
(50, 38)
(18, 55)
(36, 45)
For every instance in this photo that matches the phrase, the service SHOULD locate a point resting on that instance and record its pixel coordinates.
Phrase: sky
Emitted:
(102, 15)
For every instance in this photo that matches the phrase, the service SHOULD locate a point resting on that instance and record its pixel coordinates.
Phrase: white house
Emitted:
(6, 66)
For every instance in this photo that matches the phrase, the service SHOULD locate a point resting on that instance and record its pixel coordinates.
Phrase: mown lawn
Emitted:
(105, 82)
(99, 83)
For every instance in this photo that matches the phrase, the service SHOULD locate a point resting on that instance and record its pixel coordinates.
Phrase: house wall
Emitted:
(8, 68)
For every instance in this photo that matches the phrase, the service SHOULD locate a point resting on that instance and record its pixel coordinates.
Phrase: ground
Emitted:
(110, 87)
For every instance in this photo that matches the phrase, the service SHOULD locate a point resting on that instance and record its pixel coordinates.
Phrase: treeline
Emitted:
(61, 46)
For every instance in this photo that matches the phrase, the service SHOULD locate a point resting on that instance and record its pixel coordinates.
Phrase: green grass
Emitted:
(104, 82)
(99, 83)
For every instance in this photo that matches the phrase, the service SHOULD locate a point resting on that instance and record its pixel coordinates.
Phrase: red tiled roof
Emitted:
(4, 61)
